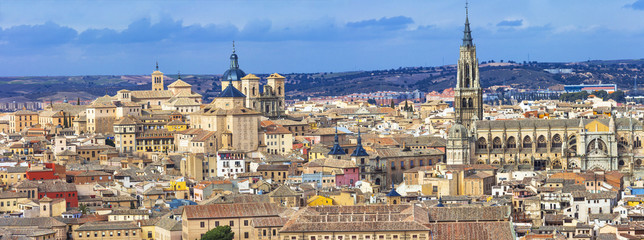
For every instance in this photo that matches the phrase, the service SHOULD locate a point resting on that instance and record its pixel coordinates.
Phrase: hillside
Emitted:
(302, 85)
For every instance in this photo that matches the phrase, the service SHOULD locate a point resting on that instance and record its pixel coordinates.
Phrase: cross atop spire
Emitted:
(157, 65)
(179, 75)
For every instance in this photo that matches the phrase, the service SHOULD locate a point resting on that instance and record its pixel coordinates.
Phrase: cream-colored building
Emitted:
(22, 119)
(9, 201)
(52, 207)
(236, 125)
(199, 166)
(118, 215)
(167, 229)
(198, 219)
(101, 115)
(13, 175)
(278, 140)
(108, 230)
(196, 140)
(125, 130)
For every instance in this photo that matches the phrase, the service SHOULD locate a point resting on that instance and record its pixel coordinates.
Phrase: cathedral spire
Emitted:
(467, 33)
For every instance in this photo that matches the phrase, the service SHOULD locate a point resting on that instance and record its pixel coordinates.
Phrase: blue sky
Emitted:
(127, 37)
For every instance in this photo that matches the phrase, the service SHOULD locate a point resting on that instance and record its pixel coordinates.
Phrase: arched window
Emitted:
(597, 144)
(279, 90)
(253, 91)
(470, 103)
(481, 143)
(541, 142)
(527, 142)
(512, 143)
(556, 141)
(496, 143)
(464, 102)
(638, 142)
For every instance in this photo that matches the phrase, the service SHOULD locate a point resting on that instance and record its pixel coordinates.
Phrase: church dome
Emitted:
(234, 73)
(457, 131)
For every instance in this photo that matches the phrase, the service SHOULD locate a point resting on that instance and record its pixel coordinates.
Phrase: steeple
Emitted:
(336, 149)
(359, 151)
(467, 33)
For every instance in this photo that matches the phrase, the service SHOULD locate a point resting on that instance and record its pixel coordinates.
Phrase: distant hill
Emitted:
(301, 85)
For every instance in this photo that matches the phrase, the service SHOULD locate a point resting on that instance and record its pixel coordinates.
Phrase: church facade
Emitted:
(607, 144)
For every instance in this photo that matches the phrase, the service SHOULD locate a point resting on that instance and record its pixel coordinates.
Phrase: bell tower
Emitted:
(157, 79)
(468, 96)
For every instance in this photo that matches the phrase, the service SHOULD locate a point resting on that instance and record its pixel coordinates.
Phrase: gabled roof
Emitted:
(283, 191)
(179, 83)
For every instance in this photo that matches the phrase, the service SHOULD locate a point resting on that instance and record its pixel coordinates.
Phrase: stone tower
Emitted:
(250, 88)
(276, 81)
(157, 79)
(468, 96)
(458, 145)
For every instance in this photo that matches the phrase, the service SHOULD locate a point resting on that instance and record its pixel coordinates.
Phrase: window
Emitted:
(202, 224)
(264, 232)
(149, 234)
(245, 222)
(232, 223)
(245, 234)
(402, 164)
(80, 235)
(127, 233)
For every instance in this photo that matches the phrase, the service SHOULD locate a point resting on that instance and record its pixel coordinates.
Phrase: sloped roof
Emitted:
(283, 191)
(240, 210)
(179, 83)
(231, 92)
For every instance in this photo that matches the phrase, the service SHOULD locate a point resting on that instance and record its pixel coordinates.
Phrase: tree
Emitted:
(64, 120)
(393, 106)
(83, 208)
(219, 233)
